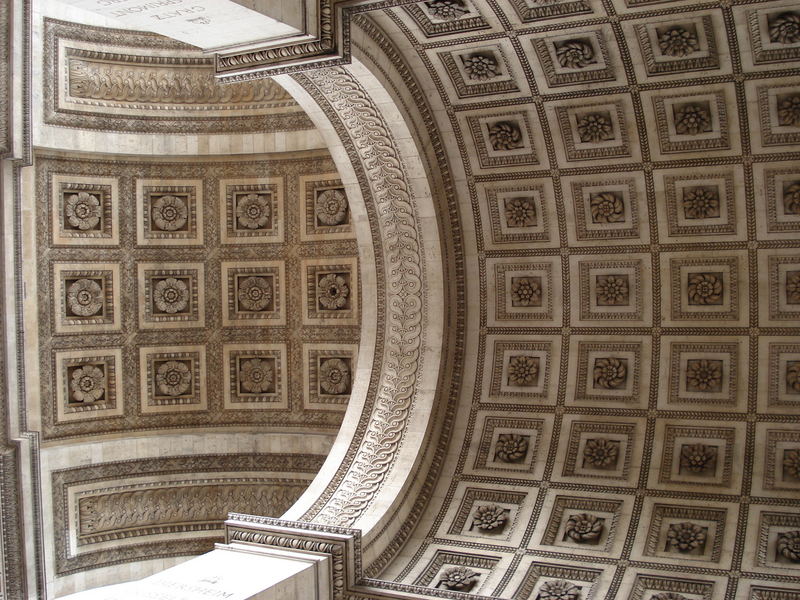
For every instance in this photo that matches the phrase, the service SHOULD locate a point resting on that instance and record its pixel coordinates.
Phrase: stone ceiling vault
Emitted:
(580, 221)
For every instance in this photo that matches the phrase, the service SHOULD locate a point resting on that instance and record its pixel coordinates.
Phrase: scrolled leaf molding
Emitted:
(400, 237)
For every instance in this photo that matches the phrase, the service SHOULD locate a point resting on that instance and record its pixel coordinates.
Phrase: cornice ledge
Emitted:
(340, 544)
(329, 44)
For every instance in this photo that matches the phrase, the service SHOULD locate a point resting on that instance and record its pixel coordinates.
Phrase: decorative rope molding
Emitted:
(375, 147)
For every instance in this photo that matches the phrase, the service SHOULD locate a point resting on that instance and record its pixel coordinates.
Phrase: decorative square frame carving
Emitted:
(781, 461)
(517, 439)
(518, 213)
(599, 450)
(625, 276)
(780, 389)
(444, 559)
(784, 287)
(758, 592)
(247, 370)
(703, 375)
(184, 227)
(511, 502)
(764, 49)
(701, 203)
(688, 122)
(75, 226)
(315, 272)
(706, 289)
(659, 61)
(525, 290)
(606, 208)
(338, 362)
(779, 124)
(432, 27)
(511, 129)
(607, 511)
(255, 294)
(779, 191)
(646, 586)
(699, 455)
(577, 121)
(591, 55)
(539, 574)
(248, 220)
(73, 366)
(92, 288)
(166, 387)
(327, 190)
(499, 79)
(529, 10)
(184, 282)
(778, 534)
(521, 370)
(710, 535)
(609, 371)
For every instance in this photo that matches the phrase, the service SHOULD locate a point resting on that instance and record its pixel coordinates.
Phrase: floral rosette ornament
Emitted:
(609, 373)
(331, 207)
(256, 376)
(704, 375)
(171, 295)
(505, 136)
(446, 10)
(575, 54)
(685, 537)
(169, 213)
(522, 370)
(334, 376)
(583, 528)
(612, 290)
(253, 211)
(678, 42)
(173, 378)
(88, 384)
(697, 458)
(700, 203)
(559, 590)
(692, 119)
(789, 545)
(458, 578)
(85, 297)
(607, 207)
(520, 212)
(333, 291)
(526, 291)
(600, 452)
(489, 517)
(480, 67)
(254, 294)
(82, 211)
(511, 447)
(595, 127)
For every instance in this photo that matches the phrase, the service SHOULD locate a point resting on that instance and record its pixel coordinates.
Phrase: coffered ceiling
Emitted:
(616, 188)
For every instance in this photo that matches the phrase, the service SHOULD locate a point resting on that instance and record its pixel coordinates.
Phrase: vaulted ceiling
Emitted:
(615, 212)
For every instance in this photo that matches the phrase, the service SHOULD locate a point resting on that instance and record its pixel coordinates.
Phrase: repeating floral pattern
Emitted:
(88, 384)
(253, 211)
(678, 41)
(83, 211)
(85, 297)
(505, 135)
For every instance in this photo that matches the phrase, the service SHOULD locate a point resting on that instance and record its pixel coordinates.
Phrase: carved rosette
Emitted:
(375, 148)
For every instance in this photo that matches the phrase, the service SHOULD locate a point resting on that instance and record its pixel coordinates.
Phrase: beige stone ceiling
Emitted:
(627, 176)
(624, 180)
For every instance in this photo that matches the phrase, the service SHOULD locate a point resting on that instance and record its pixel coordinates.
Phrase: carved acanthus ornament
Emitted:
(372, 141)
(128, 83)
